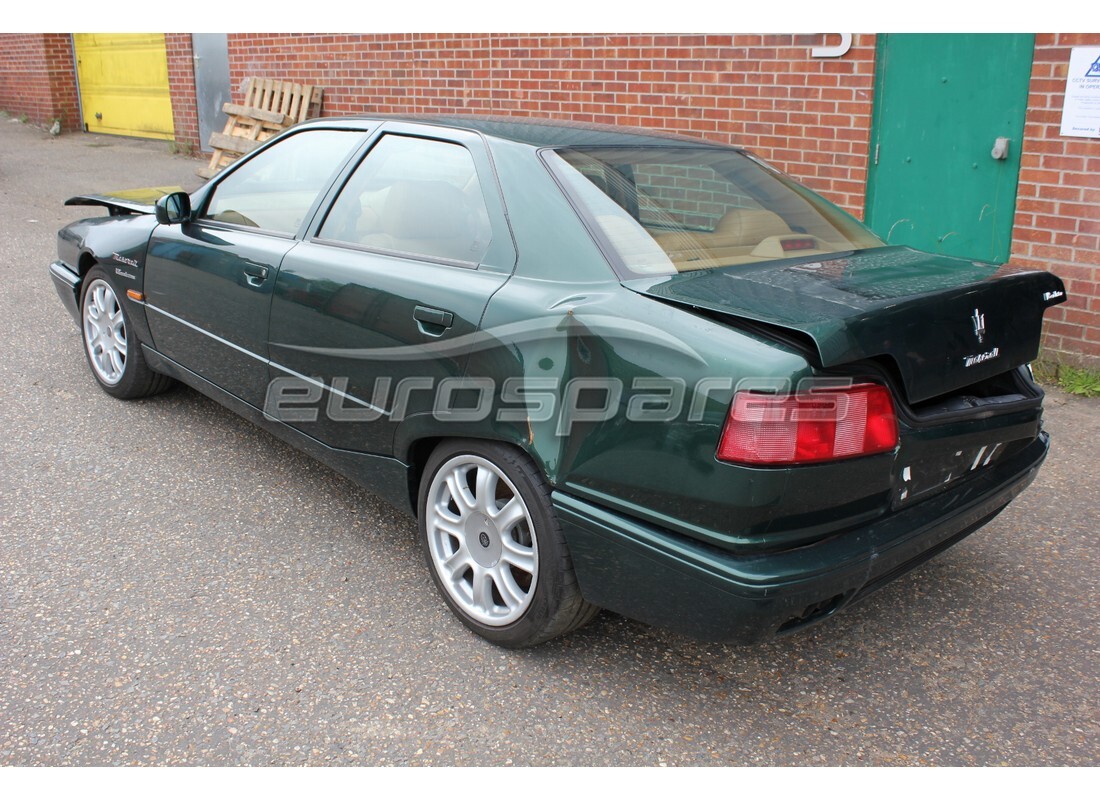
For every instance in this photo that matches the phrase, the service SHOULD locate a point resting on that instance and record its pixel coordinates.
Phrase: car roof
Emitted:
(537, 131)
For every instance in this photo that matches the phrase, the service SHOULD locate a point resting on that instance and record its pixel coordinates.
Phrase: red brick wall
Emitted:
(1057, 223)
(62, 76)
(181, 85)
(810, 117)
(38, 78)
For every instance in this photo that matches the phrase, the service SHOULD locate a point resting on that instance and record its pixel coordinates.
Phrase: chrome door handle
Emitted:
(434, 316)
(255, 274)
(432, 321)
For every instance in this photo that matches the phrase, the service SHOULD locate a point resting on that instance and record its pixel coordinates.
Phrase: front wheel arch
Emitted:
(85, 264)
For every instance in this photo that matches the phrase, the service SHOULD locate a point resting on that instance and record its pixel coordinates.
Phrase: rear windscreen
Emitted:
(663, 210)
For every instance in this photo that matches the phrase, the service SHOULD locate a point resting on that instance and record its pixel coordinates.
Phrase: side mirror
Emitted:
(172, 209)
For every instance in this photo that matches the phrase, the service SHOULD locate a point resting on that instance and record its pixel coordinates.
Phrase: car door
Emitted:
(377, 309)
(208, 283)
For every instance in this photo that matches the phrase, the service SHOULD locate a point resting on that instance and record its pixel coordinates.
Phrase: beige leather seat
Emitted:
(428, 218)
(735, 235)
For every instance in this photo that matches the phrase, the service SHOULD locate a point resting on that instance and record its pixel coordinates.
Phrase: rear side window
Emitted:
(275, 190)
(413, 196)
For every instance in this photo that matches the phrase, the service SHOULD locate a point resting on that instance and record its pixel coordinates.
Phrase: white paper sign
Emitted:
(1081, 112)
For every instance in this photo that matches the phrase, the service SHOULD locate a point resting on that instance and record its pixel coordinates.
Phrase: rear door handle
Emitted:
(434, 316)
(433, 321)
(255, 274)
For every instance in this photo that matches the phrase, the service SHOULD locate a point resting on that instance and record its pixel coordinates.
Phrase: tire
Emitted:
(494, 546)
(113, 352)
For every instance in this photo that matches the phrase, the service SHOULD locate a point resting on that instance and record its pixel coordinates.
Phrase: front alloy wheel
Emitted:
(113, 351)
(494, 547)
(105, 332)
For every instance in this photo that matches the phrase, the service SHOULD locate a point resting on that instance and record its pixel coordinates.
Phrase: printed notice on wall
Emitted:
(1081, 112)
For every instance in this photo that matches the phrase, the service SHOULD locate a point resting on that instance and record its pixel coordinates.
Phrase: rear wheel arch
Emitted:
(495, 548)
(416, 453)
(417, 457)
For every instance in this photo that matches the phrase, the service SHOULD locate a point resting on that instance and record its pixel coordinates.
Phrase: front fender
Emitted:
(118, 244)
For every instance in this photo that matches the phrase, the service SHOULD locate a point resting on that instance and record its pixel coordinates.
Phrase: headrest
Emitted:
(424, 210)
(751, 225)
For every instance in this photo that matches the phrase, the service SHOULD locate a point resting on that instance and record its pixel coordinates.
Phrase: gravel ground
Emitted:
(178, 587)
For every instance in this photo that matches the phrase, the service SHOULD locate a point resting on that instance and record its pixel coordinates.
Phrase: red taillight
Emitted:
(819, 425)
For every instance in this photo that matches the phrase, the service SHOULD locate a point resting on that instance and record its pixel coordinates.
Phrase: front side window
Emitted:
(663, 210)
(413, 196)
(275, 190)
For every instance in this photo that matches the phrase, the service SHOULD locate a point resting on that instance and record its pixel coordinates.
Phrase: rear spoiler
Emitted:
(928, 313)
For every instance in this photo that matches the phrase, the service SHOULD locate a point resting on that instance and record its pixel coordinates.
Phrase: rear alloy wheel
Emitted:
(114, 355)
(494, 547)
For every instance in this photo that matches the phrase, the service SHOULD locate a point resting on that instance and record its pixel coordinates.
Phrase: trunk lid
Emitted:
(945, 322)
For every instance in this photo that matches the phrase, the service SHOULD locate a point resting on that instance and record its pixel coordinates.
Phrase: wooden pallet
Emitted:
(269, 107)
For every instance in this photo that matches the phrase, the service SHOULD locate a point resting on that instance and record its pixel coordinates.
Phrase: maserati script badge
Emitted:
(979, 325)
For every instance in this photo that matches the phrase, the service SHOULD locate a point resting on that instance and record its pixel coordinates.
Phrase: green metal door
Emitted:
(942, 101)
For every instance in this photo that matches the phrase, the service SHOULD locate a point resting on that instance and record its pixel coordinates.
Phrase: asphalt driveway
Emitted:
(179, 587)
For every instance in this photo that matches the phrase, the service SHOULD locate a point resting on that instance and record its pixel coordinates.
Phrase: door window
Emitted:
(275, 190)
(413, 196)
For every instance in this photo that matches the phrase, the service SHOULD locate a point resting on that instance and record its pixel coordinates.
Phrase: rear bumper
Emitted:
(669, 580)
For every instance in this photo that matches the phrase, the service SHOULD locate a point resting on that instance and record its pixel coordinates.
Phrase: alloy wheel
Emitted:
(481, 541)
(105, 332)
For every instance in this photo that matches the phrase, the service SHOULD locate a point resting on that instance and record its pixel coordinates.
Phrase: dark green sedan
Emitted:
(604, 369)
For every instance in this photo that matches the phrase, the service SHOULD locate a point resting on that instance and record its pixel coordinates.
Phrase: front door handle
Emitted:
(255, 274)
(432, 321)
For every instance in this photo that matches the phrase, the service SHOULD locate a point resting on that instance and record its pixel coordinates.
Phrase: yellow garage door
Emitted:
(124, 84)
